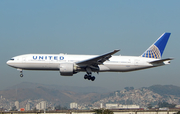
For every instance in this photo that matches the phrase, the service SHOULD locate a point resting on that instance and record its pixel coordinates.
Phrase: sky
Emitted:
(89, 27)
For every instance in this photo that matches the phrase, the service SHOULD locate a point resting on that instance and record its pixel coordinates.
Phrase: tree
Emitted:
(14, 108)
(98, 111)
(149, 106)
(129, 88)
(103, 111)
(34, 109)
(108, 112)
(59, 107)
(166, 104)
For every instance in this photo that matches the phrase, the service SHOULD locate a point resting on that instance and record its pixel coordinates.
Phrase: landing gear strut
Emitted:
(21, 72)
(88, 75)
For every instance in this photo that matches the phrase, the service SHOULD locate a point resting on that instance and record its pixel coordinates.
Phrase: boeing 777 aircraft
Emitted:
(68, 65)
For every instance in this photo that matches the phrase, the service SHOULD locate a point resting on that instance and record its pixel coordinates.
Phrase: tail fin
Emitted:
(156, 50)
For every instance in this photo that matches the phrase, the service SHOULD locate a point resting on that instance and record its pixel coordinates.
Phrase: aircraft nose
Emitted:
(8, 62)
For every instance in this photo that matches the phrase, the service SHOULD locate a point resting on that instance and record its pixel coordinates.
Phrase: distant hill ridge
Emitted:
(66, 94)
(165, 89)
(89, 89)
(49, 94)
(144, 96)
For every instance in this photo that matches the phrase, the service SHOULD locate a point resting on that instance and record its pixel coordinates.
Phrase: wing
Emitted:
(160, 61)
(97, 60)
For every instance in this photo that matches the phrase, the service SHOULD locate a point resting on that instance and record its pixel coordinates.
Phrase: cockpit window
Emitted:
(12, 59)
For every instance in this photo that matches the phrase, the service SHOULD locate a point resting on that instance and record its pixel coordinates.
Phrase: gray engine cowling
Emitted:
(66, 69)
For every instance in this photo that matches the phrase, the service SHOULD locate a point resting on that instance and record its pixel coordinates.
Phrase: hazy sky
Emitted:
(89, 27)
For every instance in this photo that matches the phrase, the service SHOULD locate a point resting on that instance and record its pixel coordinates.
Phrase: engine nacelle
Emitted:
(66, 69)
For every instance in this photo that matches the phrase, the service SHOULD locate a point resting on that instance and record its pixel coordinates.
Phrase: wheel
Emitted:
(21, 75)
(89, 77)
(85, 76)
(93, 78)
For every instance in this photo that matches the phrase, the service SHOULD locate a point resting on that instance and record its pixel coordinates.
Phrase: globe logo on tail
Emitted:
(152, 52)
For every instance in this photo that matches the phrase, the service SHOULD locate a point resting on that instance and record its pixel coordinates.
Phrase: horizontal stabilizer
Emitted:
(160, 61)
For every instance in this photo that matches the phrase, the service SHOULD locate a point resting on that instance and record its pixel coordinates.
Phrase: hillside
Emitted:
(55, 95)
(89, 89)
(144, 96)
(51, 93)
(165, 90)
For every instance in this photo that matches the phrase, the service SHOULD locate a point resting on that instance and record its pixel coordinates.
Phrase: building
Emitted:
(41, 106)
(73, 105)
(111, 106)
(129, 106)
(119, 106)
(17, 104)
(101, 105)
(28, 106)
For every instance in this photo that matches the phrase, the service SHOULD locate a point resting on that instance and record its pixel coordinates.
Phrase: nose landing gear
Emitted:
(21, 75)
(21, 72)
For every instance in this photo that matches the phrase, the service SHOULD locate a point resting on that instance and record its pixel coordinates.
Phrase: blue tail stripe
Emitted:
(156, 50)
(162, 41)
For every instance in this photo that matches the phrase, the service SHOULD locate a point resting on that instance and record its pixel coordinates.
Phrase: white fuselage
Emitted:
(68, 65)
(53, 61)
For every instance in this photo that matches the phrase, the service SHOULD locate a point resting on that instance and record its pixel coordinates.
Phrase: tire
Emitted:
(93, 78)
(85, 76)
(89, 77)
(21, 75)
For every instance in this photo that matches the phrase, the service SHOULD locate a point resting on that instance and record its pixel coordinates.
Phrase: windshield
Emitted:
(12, 59)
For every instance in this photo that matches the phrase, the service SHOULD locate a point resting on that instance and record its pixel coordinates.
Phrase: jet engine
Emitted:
(66, 69)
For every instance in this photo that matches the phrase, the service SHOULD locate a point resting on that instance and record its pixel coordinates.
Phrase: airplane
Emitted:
(68, 64)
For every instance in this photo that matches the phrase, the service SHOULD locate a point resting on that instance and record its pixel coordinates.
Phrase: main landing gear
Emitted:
(88, 75)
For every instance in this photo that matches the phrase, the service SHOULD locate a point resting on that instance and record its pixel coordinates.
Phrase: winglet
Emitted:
(116, 50)
(156, 50)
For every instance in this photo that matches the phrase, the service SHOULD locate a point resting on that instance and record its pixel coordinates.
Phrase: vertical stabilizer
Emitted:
(156, 50)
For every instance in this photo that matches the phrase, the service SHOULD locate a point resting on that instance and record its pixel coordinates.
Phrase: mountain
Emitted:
(165, 90)
(55, 95)
(144, 96)
(52, 93)
(89, 89)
